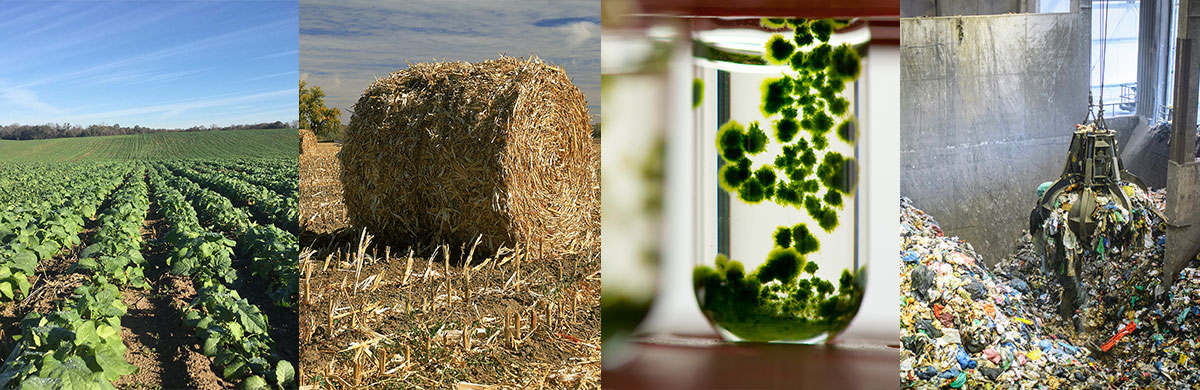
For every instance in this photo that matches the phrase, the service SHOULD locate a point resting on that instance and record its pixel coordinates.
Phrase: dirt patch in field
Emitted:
(165, 351)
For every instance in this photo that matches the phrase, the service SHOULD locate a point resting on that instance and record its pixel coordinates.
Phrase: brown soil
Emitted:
(165, 351)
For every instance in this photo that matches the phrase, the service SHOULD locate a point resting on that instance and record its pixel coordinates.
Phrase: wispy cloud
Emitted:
(139, 77)
(273, 75)
(27, 99)
(280, 54)
(155, 55)
(579, 32)
(172, 109)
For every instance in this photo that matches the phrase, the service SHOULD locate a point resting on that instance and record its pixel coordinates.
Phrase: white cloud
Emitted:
(28, 99)
(579, 32)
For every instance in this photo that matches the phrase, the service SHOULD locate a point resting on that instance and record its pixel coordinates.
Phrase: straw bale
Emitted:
(446, 151)
(308, 141)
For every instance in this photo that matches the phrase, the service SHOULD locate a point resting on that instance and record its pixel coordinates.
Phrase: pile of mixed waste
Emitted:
(964, 325)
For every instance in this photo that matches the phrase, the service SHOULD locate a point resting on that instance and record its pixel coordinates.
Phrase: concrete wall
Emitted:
(989, 106)
(915, 8)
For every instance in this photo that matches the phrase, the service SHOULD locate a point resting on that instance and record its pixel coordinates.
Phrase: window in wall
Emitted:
(1162, 113)
(1115, 36)
(1051, 6)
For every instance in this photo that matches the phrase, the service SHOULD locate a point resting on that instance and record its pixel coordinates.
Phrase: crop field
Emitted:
(375, 316)
(277, 143)
(149, 273)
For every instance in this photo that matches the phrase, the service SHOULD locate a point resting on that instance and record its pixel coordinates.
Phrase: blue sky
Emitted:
(171, 64)
(345, 45)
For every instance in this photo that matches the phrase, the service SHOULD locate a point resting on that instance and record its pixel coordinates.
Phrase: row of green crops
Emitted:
(231, 329)
(43, 211)
(279, 176)
(195, 252)
(273, 251)
(279, 210)
(42, 214)
(116, 251)
(79, 346)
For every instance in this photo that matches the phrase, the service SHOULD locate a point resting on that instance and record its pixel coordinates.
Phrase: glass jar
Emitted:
(633, 124)
(777, 138)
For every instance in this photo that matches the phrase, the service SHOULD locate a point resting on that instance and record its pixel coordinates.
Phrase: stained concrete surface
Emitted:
(1145, 155)
(989, 106)
(915, 8)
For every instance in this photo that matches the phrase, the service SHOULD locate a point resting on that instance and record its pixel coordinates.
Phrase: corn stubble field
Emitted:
(139, 274)
(435, 316)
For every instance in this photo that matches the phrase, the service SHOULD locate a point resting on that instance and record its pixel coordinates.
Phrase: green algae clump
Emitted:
(776, 302)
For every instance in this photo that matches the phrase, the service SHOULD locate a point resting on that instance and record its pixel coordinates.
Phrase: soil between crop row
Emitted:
(165, 351)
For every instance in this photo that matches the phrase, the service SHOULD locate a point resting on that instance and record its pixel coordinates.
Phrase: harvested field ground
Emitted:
(321, 207)
(372, 316)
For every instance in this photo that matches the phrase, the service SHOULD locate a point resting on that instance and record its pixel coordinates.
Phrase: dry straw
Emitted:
(308, 141)
(448, 151)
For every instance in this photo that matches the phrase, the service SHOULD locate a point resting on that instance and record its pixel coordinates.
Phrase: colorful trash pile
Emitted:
(966, 326)
(963, 327)
(1145, 334)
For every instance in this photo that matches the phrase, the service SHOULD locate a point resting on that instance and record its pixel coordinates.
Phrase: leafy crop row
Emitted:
(280, 210)
(231, 329)
(37, 228)
(281, 177)
(195, 251)
(273, 251)
(79, 346)
(236, 333)
(116, 252)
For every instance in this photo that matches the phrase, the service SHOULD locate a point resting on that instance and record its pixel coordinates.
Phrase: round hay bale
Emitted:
(308, 141)
(448, 151)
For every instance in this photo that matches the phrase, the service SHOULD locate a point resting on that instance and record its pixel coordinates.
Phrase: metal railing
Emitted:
(1119, 99)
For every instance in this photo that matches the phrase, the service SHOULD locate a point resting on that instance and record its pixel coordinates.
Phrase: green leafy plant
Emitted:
(274, 253)
(234, 332)
(78, 347)
(231, 329)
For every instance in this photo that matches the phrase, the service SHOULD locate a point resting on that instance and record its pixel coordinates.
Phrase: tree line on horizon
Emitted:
(19, 132)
